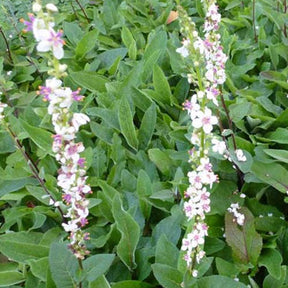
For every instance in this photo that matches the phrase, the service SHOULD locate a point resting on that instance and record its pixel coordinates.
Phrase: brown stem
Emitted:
(285, 11)
(83, 10)
(33, 167)
(254, 21)
(230, 125)
(7, 45)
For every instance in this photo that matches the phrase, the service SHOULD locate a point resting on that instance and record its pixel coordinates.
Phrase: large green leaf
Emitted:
(86, 44)
(217, 281)
(161, 85)
(90, 80)
(42, 138)
(126, 123)
(167, 276)
(144, 190)
(245, 242)
(23, 246)
(97, 265)
(39, 268)
(8, 278)
(147, 126)
(130, 233)
(63, 265)
(166, 252)
(7, 186)
(271, 259)
(100, 282)
(271, 173)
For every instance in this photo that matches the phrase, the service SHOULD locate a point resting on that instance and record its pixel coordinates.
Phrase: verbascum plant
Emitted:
(71, 175)
(205, 61)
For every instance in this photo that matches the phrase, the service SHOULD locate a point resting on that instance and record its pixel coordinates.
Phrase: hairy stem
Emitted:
(33, 167)
(83, 10)
(7, 45)
(285, 11)
(230, 125)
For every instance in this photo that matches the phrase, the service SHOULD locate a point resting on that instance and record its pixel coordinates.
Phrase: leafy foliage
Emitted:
(122, 55)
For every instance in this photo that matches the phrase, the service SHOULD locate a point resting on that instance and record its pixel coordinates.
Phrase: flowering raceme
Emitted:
(206, 62)
(71, 175)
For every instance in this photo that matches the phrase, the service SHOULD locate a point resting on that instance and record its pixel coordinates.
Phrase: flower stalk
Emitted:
(205, 62)
(71, 175)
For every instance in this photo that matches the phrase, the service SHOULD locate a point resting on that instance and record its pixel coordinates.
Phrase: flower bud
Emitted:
(36, 7)
(51, 7)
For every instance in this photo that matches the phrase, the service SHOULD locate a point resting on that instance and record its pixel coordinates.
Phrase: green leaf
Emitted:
(217, 281)
(226, 268)
(100, 282)
(129, 42)
(86, 44)
(7, 186)
(245, 242)
(166, 252)
(23, 246)
(126, 123)
(144, 190)
(7, 144)
(38, 193)
(147, 126)
(131, 284)
(161, 160)
(281, 155)
(42, 138)
(279, 136)
(270, 281)
(8, 278)
(271, 173)
(130, 233)
(90, 80)
(97, 265)
(167, 276)
(271, 259)
(39, 268)
(63, 265)
(162, 87)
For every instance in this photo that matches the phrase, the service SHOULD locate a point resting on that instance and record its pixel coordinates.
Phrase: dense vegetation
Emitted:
(122, 54)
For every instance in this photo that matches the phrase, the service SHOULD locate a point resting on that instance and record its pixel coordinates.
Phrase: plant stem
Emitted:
(7, 45)
(83, 10)
(33, 167)
(230, 125)
(285, 11)
(81, 268)
(254, 21)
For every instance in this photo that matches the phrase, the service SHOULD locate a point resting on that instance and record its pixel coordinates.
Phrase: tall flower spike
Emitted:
(71, 175)
(206, 70)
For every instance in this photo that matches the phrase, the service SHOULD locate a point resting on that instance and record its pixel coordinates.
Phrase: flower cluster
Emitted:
(71, 175)
(206, 63)
(2, 107)
(42, 28)
(238, 217)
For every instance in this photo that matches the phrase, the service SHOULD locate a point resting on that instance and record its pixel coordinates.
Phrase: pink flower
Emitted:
(205, 120)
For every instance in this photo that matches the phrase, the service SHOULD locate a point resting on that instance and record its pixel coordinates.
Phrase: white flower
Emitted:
(205, 120)
(79, 119)
(50, 40)
(53, 83)
(51, 7)
(240, 155)
(184, 50)
(36, 7)
(218, 146)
